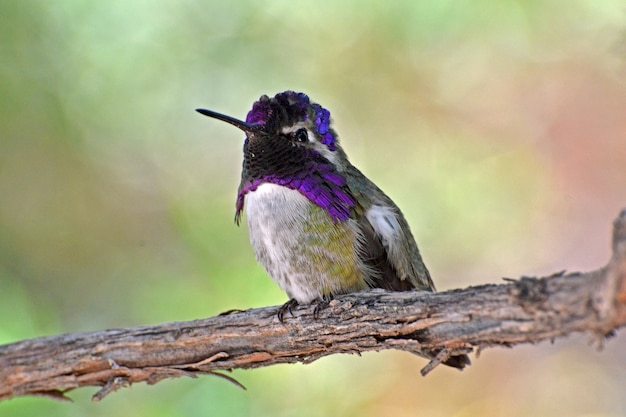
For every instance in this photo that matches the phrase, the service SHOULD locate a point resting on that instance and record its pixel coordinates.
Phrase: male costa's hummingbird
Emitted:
(318, 225)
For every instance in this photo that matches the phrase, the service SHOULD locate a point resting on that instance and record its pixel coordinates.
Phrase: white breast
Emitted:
(274, 212)
(300, 246)
(276, 215)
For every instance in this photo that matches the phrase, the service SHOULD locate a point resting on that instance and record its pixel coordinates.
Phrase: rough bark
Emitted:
(527, 310)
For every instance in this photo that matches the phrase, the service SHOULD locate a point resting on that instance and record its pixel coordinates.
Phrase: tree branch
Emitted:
(528, 310)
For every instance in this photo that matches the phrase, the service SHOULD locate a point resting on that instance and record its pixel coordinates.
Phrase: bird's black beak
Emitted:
(246, 127)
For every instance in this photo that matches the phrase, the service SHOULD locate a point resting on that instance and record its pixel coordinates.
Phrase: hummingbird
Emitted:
(318, 226)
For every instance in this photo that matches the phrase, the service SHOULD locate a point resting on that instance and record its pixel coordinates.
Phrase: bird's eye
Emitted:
(302, 135)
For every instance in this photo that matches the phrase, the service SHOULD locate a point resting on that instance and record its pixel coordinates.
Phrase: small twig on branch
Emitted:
(528, 310)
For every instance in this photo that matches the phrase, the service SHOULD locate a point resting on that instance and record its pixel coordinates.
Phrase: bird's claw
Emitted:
(287, 307)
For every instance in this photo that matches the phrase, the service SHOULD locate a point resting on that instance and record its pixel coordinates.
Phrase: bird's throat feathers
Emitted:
(319, 183)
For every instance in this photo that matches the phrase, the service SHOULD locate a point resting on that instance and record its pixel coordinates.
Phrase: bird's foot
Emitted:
(319, 306)
(287, 307)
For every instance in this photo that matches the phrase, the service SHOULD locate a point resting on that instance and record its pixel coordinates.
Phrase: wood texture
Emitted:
(527, 310)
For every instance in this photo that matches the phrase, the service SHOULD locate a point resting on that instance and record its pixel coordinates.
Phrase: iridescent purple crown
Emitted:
(286, 109)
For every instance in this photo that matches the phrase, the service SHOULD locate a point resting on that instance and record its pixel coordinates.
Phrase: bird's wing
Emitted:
(389, 247)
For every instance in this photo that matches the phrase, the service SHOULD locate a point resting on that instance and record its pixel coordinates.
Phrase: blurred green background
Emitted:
(498, 127)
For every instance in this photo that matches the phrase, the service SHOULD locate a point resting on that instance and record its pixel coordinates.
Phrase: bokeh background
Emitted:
(498, 127)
